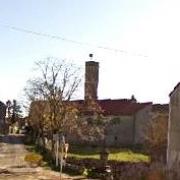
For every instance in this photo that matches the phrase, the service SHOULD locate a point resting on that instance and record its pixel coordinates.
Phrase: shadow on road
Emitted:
(12, 139)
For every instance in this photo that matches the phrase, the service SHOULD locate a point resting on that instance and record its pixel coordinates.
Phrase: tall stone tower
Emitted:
(91, 79)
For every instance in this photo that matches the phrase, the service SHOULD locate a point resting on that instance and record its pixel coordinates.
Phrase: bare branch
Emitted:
(50, 93)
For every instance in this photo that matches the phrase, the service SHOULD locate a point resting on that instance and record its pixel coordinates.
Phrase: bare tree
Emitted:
(50, 93)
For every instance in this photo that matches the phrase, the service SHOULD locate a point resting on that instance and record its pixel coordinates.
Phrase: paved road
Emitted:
(13, 166)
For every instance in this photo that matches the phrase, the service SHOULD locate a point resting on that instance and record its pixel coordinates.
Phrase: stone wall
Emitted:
(173, 151)
(120, 131)
(142, 118)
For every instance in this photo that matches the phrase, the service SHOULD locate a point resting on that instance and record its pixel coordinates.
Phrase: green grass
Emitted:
(122, 155)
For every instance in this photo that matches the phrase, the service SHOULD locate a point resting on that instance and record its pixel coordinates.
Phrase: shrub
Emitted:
(33, 159)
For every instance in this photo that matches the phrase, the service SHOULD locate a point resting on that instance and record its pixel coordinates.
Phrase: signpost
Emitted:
(59, 150)
(62, 143)
(56, 139)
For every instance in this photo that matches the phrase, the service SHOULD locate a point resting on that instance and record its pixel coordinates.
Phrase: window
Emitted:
(89, 121)
(116, 120)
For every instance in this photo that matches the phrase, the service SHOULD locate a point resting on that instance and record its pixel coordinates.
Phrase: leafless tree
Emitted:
(50, 93)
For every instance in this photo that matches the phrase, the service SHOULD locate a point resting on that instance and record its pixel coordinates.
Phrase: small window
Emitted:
(89, 121)
(115, 138)
(116, 120)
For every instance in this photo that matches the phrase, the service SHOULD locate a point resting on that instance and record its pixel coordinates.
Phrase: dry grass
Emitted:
(33, 159)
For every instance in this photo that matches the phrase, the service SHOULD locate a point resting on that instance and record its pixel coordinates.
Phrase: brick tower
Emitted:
(91, 79)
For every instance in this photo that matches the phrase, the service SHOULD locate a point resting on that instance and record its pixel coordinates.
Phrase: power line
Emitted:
(68, 40)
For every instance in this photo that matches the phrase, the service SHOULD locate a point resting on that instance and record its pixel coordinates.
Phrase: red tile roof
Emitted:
(163, 108)
(116, 107)
(109, 106)
(121, 107)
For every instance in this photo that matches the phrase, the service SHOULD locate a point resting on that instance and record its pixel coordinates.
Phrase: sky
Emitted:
(143, 37)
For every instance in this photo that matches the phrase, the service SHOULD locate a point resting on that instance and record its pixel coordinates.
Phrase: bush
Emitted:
(33, 159)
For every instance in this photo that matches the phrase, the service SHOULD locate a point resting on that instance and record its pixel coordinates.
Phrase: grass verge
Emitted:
(122, 155)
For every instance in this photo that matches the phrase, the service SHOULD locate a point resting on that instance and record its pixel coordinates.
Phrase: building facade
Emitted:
(126, 119)
(173, 150)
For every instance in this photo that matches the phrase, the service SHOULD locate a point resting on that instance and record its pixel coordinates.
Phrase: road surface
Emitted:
(13, 166)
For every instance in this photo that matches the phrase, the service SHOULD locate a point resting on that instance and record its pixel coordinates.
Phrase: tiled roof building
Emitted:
(128, 118)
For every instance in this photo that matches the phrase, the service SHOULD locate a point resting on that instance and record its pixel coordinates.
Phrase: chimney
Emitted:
(91, 79)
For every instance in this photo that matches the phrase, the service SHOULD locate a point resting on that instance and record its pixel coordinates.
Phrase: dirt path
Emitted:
(13, 166)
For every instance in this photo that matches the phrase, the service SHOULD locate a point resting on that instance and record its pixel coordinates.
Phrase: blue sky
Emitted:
(147, 27)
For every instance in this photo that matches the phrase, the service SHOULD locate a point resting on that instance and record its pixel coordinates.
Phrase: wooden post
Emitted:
(56, 139)
(62, 143)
